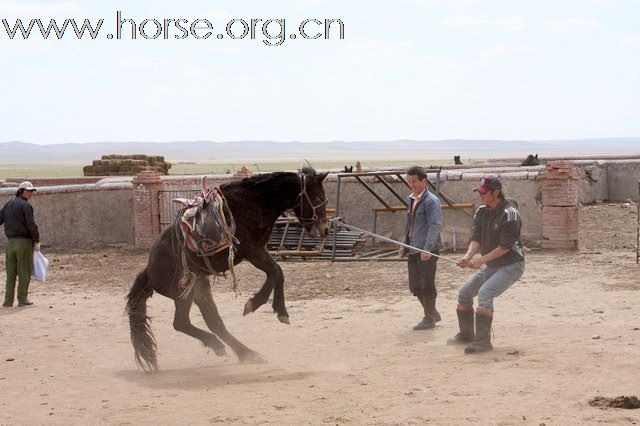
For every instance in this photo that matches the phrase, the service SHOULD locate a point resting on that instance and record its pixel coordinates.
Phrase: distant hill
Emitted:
(21, 153)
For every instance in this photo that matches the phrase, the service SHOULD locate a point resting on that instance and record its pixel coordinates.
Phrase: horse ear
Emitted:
(206, 184)
(320, 177)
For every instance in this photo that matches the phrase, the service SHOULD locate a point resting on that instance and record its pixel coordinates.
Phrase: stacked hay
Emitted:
(126, 165)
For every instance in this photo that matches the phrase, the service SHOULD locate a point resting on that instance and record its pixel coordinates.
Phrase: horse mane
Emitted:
(260, 179)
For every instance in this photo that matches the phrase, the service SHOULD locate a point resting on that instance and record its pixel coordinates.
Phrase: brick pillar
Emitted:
(146, 217)
(560, 225)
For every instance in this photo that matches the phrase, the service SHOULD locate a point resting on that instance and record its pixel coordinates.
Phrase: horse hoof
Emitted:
(252, 358)
(284, 319)
(248, 308)
(220, 352)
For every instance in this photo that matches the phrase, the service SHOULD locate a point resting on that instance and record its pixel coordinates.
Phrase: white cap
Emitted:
(27, 185)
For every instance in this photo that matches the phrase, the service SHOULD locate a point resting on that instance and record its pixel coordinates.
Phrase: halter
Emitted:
(304, 195)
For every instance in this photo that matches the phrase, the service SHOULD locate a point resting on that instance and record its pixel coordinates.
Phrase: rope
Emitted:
(389, 240)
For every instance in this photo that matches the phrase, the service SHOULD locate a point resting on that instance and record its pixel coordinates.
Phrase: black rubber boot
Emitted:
(482, 342)
(436, 315)
(466, 334)
(429, 307)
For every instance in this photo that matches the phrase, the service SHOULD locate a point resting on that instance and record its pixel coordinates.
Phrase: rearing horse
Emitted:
(256, 203)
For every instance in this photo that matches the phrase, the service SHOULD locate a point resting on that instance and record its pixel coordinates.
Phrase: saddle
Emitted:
(218, 236)
(192, 226)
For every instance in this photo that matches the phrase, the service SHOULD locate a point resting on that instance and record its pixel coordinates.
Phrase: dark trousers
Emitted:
(422, 276)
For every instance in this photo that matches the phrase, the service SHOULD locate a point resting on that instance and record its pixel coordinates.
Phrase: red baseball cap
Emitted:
(488, 183)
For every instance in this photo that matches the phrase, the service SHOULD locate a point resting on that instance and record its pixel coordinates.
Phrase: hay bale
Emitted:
(125, 165)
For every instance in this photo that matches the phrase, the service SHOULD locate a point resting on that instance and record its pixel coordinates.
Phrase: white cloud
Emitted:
(375, 48)
(313, 2)
(502, 51)
(468, 21)
(25, 10)
(574, 24)
(33, 48)
(441, 2)
(631, 39)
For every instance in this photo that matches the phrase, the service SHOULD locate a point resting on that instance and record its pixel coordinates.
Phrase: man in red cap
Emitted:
(496, 234)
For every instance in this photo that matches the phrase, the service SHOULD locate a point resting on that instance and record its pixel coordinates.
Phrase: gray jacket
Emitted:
(427, 223)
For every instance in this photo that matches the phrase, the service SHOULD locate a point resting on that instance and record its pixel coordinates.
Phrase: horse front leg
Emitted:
(275, 281)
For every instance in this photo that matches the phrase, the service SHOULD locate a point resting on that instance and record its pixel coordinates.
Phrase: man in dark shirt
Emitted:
(496, 234)
(22, 239)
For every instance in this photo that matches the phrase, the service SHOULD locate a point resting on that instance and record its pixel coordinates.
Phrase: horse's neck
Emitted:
(273, 199)
(283, 195)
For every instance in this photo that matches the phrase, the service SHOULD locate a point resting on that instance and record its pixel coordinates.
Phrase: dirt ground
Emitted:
(567, 332)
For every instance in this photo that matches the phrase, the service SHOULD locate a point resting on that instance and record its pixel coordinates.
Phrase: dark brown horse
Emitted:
(255, 203)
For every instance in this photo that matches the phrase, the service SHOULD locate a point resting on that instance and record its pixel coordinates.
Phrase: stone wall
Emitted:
(622, 180)
(80, 215)
(37, 182)
(608, 180)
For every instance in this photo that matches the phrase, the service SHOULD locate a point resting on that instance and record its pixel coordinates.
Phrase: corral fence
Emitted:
(167, 208)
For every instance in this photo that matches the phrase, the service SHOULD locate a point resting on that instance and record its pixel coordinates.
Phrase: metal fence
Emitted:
(167, 209)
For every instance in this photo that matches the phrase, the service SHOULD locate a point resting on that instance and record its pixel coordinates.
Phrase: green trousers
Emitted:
(19, 260)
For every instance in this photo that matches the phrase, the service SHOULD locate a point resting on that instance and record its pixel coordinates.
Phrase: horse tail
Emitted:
(144, 343)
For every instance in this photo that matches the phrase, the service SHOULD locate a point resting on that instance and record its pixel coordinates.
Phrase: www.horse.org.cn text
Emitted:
(271, 31)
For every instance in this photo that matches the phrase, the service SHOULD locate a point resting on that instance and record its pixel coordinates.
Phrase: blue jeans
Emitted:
(488, 283)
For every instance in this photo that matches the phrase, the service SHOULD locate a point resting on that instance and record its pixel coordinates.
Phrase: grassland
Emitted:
(70, 170)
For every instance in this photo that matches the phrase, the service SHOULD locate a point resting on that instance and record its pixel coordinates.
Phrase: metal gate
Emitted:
(167, 209)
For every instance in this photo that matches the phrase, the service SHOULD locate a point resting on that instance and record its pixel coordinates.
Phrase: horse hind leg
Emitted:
(204, 301)
(182, 323)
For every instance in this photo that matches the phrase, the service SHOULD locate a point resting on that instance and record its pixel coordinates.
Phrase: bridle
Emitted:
(304, 196)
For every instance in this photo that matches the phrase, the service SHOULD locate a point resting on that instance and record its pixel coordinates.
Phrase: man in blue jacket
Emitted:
(422, 230)
(22, 239)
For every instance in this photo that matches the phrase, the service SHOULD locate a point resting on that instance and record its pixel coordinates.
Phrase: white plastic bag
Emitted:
(40, 265)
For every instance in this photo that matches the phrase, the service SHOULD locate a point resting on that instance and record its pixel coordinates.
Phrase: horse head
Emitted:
(311, 209)
(531, 160)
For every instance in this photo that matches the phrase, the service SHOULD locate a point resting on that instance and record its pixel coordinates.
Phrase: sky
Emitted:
(406, 69)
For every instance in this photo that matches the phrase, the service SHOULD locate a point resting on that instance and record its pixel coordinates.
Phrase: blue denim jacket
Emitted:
(427, 223)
